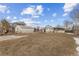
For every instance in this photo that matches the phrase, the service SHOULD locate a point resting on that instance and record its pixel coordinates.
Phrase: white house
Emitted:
(24, 29)
(69, 27)
(59, 30)
(49, 28)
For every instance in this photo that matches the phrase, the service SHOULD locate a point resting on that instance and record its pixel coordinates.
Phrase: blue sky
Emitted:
(36, 14)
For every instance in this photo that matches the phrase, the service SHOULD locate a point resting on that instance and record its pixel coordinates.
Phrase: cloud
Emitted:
(54, 14)
(8, 11)
(51, 20)
(48, 9)
(36, 16)
(28, 10)
(8, 17)
(39, 9)
(68, 7)
(33, 10)
(14, 17)
(45, 20)
(65, 14)
(28, 21)
(11, 18)
(3, 8)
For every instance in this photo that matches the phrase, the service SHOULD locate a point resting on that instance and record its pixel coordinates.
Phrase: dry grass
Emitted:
(42, 44)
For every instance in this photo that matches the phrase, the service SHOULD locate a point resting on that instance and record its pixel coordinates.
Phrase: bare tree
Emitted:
(75, 17)
(58, 26)
(5, 26)
(68, 25)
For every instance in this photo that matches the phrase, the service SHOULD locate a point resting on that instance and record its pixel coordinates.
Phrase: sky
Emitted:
(37, 14)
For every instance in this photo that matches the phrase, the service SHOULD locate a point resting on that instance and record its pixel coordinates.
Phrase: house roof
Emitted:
(17, 23)
(25, 27)
(48, 26)
(59, 28)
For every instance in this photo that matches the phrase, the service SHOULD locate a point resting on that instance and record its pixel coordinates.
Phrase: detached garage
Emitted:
(24, 29)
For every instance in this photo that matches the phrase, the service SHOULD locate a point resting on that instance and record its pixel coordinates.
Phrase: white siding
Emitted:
(49, 30)
(59, 31)
(18, 29)
(27, 30)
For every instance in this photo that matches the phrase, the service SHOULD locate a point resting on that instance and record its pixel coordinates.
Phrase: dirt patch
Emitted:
(41, 44)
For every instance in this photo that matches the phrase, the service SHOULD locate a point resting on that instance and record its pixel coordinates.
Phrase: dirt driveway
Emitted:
(11, 37)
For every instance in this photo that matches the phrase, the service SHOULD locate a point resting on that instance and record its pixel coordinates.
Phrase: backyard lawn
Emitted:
(39, 44)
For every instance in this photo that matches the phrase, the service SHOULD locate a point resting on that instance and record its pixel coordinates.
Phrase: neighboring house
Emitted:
(24, 29)
(39, 29)
(76, 30)
(69, 27)
(0, 27)
(36, 29)
(18, 23)
(1, 30)
(49, 28)
(11, 28)
(59, 30)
